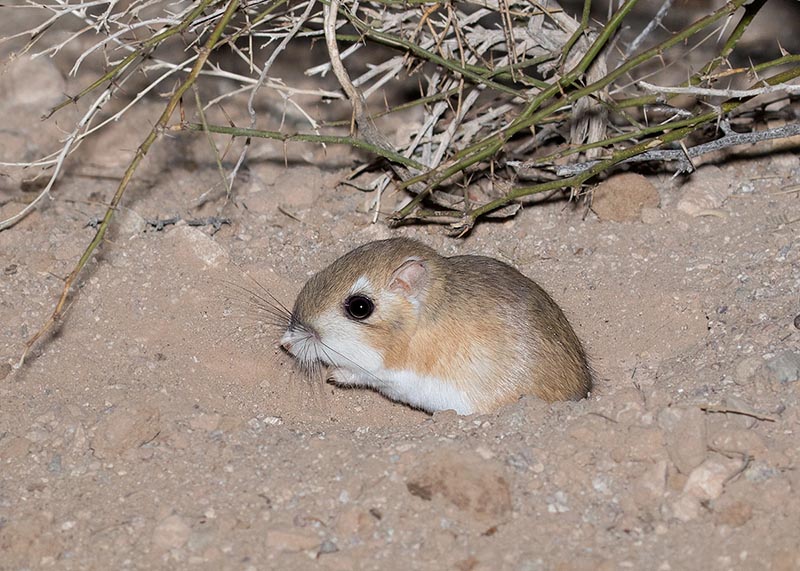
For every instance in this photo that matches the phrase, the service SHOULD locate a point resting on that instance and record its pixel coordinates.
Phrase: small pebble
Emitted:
(327, 546)
(760, 472)
(54, 466)
(558, 503)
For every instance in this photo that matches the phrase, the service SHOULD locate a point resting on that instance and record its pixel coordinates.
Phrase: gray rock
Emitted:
(784, 368)
(125, 428)
(685, 435)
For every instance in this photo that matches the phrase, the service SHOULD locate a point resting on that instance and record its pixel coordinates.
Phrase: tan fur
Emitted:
(480, 324)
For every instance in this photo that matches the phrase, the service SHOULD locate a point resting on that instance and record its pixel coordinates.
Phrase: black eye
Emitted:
(359, 307)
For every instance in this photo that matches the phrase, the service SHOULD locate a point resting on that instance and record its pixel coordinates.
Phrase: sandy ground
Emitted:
(161, 427)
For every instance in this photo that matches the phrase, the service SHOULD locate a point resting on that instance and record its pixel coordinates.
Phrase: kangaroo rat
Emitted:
(467, 333)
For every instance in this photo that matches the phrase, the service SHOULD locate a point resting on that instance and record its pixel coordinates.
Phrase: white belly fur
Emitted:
(428, 393)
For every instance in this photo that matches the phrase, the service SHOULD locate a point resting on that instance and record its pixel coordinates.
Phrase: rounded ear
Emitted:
(410, 278)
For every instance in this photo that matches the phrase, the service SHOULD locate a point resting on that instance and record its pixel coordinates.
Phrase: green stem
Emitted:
(308, 138)
(587, 9)
(689, 126)
(141, 151)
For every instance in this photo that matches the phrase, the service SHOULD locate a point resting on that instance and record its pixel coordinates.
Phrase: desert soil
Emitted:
(162, 426)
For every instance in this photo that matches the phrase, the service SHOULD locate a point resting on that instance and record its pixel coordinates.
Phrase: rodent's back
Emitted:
(505, 303)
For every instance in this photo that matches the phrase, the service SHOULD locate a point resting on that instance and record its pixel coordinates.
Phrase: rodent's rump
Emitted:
(468, 333)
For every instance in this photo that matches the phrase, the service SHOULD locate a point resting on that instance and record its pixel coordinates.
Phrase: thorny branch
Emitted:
(144, 147)
(503, 85)
(684, 156)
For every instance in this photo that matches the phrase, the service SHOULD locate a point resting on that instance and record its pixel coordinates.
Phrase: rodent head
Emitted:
(346, 314)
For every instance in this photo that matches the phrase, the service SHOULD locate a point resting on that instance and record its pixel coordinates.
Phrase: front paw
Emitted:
(341, 376)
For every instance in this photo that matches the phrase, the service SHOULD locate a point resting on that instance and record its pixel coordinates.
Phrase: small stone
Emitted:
(5, 370)
(685, 436)
(277, 186)
(327, 546)
(622, 197)
(707, 481)
(124, 429)
(557, 503)
(201, 245)
(589, 430)
(760, 471)
(784, 368)
(706, 189)
(171, 533)
(747, 369)
(54, 466)
(292, 541)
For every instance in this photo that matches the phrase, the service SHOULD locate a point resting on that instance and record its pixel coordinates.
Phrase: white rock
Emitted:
(33, 82)
(202, 246)
(707, 481)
